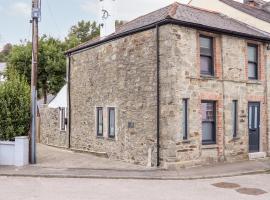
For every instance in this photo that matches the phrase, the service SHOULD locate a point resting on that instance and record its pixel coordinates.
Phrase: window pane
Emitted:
(62, 120)
(250, 117)
(111, 122)
(252, 53)
(208, 111)
(255, 117)
(185, 119)
(207, 131)
(235, 117)
(100, 121)
(252, 70)
(206, 42)
(206, 65)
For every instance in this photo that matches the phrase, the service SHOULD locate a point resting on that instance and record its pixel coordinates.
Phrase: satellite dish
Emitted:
(105, 14)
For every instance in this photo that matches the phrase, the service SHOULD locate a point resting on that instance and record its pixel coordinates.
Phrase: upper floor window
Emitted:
(206, 55)
(253, 61)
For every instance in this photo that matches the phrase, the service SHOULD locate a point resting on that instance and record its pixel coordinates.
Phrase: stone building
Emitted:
(53, 121)
(177, 87)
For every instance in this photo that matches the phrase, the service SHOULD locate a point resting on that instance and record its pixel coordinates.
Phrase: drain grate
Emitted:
(226, 185)
(251, 191)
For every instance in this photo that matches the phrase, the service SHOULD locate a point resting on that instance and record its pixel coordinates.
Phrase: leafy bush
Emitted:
(14, 107)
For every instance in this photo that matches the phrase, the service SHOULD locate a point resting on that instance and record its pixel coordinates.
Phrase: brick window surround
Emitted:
(217, 57)
(210, 96)
(261, 63)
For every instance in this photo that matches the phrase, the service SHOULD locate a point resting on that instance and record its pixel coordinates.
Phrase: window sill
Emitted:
(251, 81)
(180, 142)
(63, 131)
(209, 146)
(111, 139)
(235, 139)
(208, 77)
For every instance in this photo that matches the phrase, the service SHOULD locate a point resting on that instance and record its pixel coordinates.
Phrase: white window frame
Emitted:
(61, 120)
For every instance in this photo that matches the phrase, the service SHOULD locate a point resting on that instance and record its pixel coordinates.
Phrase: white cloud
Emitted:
(21, 9)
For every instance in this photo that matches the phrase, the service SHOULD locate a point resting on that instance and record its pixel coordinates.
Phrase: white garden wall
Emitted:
(15, 153)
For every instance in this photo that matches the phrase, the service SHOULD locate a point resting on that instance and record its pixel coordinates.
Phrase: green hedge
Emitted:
(14, 107)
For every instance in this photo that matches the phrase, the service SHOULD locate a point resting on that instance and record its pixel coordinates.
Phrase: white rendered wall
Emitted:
(15, 153)
(107, 17)
(218, 6)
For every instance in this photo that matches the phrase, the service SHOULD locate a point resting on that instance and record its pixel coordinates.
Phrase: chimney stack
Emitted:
(251, 3)
(266, 7)
(107, 17)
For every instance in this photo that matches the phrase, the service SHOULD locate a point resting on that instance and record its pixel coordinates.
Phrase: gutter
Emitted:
(69, 107)
(165, 21)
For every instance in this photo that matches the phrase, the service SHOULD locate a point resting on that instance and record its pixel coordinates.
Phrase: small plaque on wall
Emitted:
(131, 125)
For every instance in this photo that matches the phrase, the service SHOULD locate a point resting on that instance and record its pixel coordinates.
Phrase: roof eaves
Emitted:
(170, 19)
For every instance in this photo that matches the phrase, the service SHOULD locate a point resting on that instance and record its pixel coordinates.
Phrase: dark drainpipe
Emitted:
(69, 108)
(158, 95)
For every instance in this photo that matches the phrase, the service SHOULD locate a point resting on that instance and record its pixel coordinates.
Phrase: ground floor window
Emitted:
(185, 119)
(99, 121)
(111, 124)
(235, 117)
(208, 109)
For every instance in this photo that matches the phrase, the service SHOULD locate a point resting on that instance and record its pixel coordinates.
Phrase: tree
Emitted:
(83, 31)
(51, 66)
(14, 107)
(5, 52)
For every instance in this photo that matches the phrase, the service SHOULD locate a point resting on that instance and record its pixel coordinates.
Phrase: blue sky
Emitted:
(59, 15)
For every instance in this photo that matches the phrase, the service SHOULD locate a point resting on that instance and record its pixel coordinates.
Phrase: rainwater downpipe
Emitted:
(69, 103)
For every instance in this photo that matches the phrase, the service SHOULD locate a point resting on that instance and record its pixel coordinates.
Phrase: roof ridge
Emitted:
(244, 5)
(202, 9)
(173, 9)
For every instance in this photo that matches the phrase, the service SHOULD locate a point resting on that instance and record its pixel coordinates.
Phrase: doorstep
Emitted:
(257, 155)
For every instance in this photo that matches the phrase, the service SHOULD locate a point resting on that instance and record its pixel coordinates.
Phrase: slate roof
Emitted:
(185, 15)
(257, 12)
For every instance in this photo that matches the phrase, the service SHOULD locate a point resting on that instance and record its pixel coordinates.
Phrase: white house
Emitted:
(255, 13)
(3, 67)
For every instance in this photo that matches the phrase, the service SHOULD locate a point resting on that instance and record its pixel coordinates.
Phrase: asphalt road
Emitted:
(20, 188)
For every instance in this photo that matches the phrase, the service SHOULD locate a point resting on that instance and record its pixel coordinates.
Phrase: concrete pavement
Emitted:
(52, 157)
(21, 188)
(58, 163)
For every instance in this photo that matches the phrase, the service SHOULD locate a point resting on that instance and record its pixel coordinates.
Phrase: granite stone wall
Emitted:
(181, 79)
(50, 133)
(122, 74)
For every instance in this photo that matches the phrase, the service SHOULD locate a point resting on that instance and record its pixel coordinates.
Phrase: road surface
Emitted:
(251, 187)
